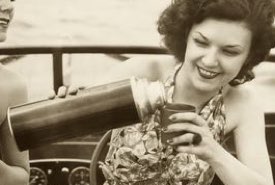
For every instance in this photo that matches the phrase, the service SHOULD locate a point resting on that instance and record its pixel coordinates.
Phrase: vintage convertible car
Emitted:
(74, 161)
(48, 65)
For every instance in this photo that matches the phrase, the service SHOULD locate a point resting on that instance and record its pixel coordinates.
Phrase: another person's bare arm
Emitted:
(14, 166)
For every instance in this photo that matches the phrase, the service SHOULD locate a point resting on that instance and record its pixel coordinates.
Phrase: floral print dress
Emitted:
(138, 157)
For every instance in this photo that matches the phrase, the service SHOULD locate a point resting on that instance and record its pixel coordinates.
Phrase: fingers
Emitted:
(186, 149)
(186, 139)
(188, 117)
(51, 94)
(196, 139)
(82, 87)
(193, 124)
(72, 90)
(189, 122)
(191, 148)
(62, 92)
(188, 127)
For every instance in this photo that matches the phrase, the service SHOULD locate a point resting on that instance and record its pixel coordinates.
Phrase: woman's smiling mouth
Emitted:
(4, 21)
(207, 74)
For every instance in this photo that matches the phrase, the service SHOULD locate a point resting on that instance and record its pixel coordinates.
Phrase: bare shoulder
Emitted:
(12, 86)
(13, 91)
(242, 108)
(155, 67)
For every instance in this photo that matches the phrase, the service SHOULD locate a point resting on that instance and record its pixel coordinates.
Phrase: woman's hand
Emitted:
(198, 139)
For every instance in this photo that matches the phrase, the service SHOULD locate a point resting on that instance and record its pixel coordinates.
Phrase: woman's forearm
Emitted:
(13, 175)
(232, 172)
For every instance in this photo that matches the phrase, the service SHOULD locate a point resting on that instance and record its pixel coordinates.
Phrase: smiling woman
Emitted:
(215, 45)
(213, 59)
(6, 15)
(211, 43)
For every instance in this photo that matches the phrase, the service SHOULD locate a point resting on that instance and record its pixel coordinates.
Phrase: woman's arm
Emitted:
(14, 167)
(152, 68)
(246, 118)
(253, 165)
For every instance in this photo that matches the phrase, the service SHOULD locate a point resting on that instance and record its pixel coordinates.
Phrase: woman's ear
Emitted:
(245, 74)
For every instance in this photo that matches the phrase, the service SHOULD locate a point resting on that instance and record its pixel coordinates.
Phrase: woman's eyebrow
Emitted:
(228, 46)
(204, 37)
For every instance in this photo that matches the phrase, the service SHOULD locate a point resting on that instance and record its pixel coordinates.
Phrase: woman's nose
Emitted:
(6, 5)
(210, 58)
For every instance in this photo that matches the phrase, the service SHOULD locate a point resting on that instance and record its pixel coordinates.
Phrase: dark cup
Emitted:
(166, 112)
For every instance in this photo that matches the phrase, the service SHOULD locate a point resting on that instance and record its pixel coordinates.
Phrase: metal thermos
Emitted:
(95, 109)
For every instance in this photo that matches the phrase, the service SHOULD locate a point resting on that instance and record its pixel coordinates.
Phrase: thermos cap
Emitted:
(149, 96)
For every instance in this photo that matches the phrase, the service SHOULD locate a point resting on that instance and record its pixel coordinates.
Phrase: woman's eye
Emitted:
(200, 42)
(230, 52)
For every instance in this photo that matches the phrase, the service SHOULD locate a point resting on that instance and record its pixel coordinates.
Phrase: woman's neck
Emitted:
(184, 92)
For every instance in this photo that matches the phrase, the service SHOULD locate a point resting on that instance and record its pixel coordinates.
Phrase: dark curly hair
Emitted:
(177, 19)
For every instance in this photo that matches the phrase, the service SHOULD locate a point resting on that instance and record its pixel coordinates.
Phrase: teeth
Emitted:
(4, 21)
(208, 74)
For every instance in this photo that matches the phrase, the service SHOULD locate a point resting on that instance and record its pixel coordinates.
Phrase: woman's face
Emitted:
(6, 15)
(216, 51)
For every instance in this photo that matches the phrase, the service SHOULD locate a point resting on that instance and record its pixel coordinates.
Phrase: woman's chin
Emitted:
(3, 37)
(207, 87)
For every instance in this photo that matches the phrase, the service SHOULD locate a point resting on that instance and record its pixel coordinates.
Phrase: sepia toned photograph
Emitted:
(137, 92)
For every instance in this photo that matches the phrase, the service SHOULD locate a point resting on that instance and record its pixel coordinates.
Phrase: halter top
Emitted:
(137, 156)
